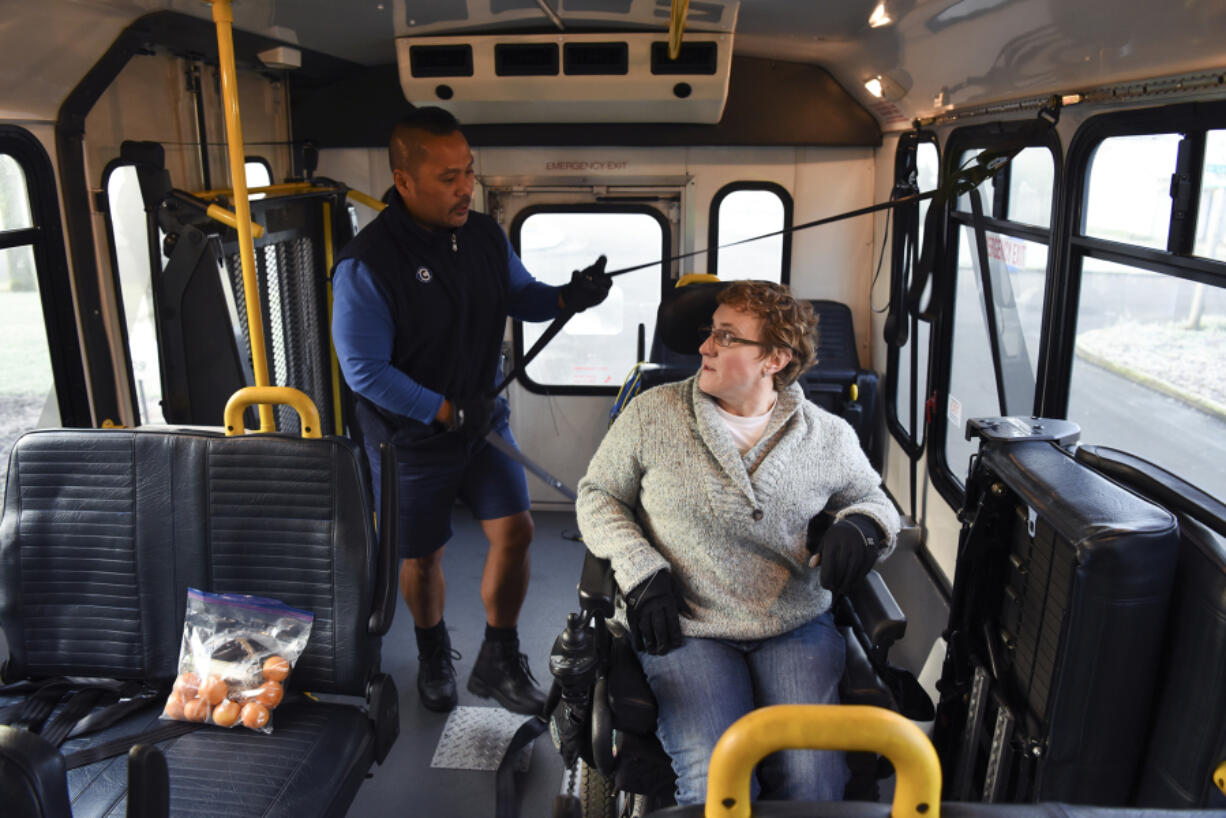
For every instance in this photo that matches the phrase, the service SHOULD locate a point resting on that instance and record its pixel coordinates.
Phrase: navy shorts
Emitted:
(437, 468)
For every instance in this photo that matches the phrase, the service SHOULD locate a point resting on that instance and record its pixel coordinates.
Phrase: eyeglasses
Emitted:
(724, 338)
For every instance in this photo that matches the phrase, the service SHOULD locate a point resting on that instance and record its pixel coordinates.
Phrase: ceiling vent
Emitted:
(568, 77)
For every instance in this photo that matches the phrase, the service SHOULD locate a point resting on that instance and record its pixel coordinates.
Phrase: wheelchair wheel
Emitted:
(598, 793)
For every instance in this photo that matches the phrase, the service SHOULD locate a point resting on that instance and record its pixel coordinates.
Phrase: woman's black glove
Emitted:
(654, 610)
(847, 551)
(587, 287)
(472, 416)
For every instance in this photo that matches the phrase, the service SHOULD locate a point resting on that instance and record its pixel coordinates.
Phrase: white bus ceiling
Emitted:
(935, 53)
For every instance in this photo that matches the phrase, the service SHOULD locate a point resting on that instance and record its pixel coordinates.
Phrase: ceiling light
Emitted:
(873, 86)
(880, 17)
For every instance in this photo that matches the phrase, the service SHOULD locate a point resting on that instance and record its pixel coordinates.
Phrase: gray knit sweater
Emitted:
(668, 489)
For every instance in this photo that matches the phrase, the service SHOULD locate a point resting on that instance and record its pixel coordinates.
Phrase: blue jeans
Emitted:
(705, 685)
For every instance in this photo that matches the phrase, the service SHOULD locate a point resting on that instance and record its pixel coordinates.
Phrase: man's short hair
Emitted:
(404, 150)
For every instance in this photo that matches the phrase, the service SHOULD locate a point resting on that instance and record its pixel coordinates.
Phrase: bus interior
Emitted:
(1023, 319)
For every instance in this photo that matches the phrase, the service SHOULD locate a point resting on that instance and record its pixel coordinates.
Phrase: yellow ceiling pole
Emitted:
(223, 16)
(676, 27)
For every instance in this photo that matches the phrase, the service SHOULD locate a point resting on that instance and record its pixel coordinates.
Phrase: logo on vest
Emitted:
(424, 275)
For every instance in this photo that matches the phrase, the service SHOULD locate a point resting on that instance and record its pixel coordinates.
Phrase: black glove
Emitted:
(848, 550)
(587, 287)
(654, 609)
(472, 416)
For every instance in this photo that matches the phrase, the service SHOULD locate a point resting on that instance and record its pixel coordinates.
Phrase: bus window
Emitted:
(129, 229)
(1146, 372)
(981, 383)
(27, 383)
(1211, 219)
(742, 210)
(597, 347)
(1130, 183)
(258, 173)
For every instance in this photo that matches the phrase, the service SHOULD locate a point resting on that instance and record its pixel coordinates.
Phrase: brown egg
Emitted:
(187, 684)
(174, 707)
(226, 713)
(213, 690)
(276, 668)
(255, 715)
(269, 694)
(196, 710)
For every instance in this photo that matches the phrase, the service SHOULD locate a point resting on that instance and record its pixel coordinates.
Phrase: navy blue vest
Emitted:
(448, 293)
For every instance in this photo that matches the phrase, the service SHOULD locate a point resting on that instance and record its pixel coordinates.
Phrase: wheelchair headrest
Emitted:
(682, 311)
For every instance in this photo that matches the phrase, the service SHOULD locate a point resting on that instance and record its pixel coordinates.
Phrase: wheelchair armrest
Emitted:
(883, 621)
(597, 586)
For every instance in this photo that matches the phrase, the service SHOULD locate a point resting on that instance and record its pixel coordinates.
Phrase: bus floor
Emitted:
(406, 783)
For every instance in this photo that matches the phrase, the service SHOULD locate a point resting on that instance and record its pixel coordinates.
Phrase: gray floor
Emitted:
(406, 785)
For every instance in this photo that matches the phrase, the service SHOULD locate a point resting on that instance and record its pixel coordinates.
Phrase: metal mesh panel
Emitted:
(294, 312)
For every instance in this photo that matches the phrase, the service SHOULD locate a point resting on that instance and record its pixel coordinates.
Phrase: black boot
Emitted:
(501, 672)
(436, 675)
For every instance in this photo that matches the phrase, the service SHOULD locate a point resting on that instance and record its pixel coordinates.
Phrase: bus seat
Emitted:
(1056, 624)
(103, 532)
(836, 382)
(1188, 738)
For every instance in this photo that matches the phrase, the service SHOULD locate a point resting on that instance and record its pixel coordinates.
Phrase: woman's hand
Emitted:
(653, 610)
(846, 552)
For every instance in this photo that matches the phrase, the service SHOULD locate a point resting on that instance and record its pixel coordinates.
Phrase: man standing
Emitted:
(421, 298)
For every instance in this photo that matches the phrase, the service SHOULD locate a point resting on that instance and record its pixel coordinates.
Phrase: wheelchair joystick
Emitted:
(573, 662)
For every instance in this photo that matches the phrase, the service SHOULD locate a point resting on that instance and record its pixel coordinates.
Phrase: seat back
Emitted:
(1188, 738)
(105, 530)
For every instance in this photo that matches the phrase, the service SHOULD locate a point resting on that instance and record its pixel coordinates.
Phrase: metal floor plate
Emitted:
(475, 738)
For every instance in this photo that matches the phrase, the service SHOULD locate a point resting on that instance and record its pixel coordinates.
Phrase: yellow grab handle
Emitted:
(227, 217)
(917, 793)
(365, 199)
(1219, 777)
(270, 395)
(853, 392)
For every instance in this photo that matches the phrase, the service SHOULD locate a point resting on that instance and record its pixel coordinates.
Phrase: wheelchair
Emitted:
(605, 721)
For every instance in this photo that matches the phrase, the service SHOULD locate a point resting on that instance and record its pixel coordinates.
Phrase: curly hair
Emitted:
(787, 323)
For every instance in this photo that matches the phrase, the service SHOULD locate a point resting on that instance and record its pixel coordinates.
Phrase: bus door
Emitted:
(560, 403)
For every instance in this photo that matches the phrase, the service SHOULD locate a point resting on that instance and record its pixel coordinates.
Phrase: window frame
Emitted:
(785, 261)
(518, 349)
(986, 137)
(911, 444)
(46, 237)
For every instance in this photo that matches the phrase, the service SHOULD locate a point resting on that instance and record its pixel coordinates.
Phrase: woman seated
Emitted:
(701, 496)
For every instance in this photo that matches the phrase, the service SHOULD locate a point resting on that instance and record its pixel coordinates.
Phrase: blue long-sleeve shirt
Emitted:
(363, 333)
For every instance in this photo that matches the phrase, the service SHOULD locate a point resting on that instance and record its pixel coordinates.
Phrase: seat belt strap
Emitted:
(89, 755)
(506, 804)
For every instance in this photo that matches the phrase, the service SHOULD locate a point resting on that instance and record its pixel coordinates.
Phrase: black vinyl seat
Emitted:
(103, 533)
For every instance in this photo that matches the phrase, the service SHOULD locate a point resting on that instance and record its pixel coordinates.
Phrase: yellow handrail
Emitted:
(676, 27)
(223, 17)
(366, 199)
(266, 396)
(282, 189)
(230, 219)
(917, 793)
(1219, 777)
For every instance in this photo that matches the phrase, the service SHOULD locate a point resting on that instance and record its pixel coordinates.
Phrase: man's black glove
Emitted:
(587, 287)
(472, 416)
(848, 550)
(654, 609)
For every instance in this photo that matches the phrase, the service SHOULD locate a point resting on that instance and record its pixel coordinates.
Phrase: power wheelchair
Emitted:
(604, 724)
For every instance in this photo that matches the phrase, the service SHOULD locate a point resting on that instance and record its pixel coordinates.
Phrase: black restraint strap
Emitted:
(167, 730)
(507, 803)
